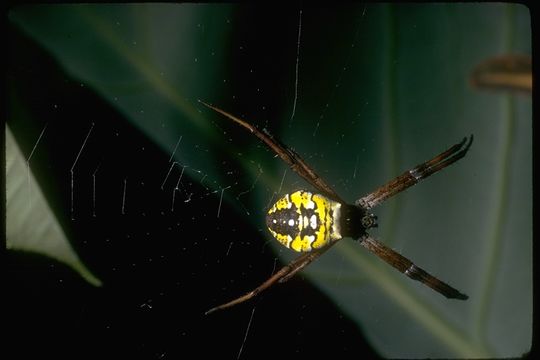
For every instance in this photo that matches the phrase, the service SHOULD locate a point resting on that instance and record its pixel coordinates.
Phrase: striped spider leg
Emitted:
(397, 185)
(413, 176)
(340, 219)
(286, 154)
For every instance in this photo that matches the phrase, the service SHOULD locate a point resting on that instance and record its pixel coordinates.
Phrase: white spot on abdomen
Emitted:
(313, 222)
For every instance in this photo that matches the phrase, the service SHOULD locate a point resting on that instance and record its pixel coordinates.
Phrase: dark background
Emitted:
(161, 270)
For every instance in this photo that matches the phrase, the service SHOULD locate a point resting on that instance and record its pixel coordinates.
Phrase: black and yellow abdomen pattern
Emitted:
(304, 221)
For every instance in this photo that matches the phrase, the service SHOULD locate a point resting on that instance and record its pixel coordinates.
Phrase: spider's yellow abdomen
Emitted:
(304, 221)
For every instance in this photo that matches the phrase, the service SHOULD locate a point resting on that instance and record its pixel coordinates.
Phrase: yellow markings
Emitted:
(304, 221)
(322, 238)
(281, 204)
(284, 239)
(302, 243)
(321, 207)
(300, 199)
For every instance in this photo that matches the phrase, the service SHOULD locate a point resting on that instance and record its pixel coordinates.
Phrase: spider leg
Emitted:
(286, 154)
(413, 176)
(305, 261)
(297, 164)
(395, 186)
(407, 267)
(284, 274)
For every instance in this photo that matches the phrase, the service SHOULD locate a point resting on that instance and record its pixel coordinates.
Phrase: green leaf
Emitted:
(30, 223)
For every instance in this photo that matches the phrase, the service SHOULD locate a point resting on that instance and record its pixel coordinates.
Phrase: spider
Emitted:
(312, 223)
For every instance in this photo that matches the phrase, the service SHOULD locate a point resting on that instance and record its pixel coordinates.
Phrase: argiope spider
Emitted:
(313, 223)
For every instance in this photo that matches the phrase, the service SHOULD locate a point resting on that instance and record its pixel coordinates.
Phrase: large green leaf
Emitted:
(380, 89)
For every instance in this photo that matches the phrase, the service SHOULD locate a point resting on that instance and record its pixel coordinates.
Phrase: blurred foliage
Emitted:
(380, 88)
(510, 72)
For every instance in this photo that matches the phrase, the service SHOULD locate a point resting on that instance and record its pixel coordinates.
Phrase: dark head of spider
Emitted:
(355, 221)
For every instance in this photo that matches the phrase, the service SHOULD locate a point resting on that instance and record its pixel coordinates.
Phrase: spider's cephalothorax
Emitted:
(304, 221)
